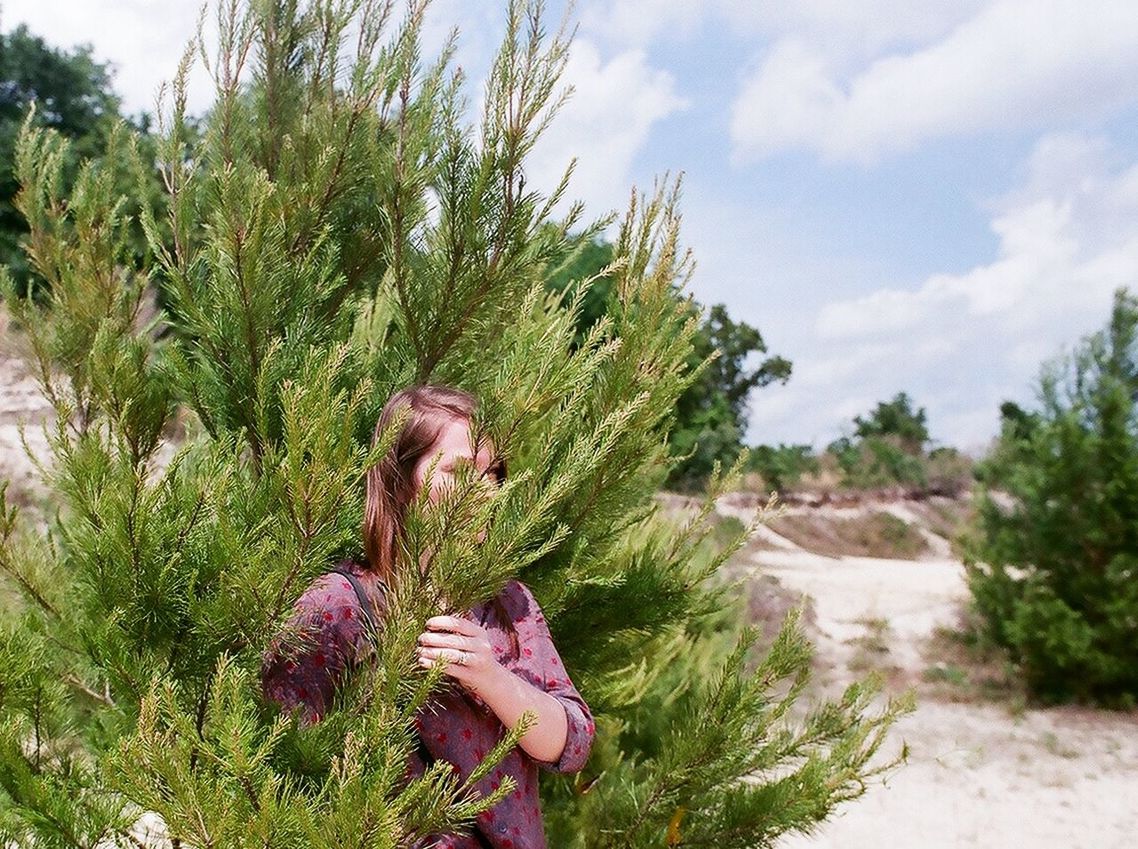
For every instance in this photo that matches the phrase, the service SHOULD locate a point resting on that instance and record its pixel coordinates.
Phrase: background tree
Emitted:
(73, 95)
(580, 272)
(711, 414)
(782, 466)
(1051, 566)
(887, 446)
(336, 232)
(896, 418)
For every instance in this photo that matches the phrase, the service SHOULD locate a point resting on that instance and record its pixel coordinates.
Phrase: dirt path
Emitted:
(979, 775)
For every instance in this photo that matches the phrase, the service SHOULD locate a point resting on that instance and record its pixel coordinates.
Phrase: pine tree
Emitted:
(1051, 564)
(336, 232)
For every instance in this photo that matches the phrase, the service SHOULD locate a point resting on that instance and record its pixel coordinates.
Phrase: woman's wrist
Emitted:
(494, 680)
(509, 695)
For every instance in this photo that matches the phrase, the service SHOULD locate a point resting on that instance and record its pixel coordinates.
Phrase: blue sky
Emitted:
(926, 196)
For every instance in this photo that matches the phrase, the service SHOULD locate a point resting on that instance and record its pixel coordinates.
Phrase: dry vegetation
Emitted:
(874, 534)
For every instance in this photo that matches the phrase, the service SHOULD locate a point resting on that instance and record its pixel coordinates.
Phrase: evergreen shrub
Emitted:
(1053, 562)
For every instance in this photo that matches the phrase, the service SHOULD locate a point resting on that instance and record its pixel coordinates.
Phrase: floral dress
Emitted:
(454, 725)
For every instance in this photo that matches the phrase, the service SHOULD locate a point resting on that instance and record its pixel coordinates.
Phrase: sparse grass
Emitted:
(962, 667)
(873, 535)
(948, 673)
(1053, 744)
(871, 649)
(946, 517)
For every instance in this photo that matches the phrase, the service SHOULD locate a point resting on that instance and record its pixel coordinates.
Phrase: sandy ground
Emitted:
(978, 775)
(23, 413)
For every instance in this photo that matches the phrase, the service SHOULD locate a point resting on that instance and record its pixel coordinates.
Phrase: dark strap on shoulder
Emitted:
(366, 605)
(368, 610)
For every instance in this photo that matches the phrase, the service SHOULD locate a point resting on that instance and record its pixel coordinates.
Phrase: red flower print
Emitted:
(467, 734)
(328, 617)
(347, 613)
(442, 738)
(527, 651)
(318, 658)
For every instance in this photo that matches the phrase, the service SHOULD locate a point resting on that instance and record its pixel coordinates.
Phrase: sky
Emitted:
(932, 197)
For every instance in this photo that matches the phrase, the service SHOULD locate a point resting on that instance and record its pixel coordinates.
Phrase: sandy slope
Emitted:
(979, 775)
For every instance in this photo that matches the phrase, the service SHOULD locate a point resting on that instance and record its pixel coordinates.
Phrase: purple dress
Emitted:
(454, 725)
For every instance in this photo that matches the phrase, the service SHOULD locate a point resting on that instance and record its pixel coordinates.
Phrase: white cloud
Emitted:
(1036, 250)
(639, 22)
(962, 343)
(143, 39)
(605, 123)
(1015, 63)
(850, 29)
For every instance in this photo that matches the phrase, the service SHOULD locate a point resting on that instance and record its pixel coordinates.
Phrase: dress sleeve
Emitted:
(306, 660)
(540, 664)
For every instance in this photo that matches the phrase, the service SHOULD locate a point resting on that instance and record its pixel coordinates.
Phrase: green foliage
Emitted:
(887, 448)
(1051, 567)
(898, 419)
(581, 270)
(71, 93)
(877, 461)
(711, 414)
(334, 232)
(782, 466)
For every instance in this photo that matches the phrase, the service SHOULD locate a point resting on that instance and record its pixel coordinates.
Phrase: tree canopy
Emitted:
(73, 95)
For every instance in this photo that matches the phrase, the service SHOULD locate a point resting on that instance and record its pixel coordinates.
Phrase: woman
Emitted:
(499, 652)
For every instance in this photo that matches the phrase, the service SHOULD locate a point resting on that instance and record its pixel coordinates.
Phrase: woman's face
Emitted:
(453, 449)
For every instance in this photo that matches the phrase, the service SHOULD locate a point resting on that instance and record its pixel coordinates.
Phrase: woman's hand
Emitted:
(464, 647)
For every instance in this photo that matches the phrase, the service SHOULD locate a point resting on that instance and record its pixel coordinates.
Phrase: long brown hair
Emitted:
(391, 482)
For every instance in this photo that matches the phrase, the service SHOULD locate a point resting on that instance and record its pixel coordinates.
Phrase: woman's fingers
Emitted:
(462, 646)
(453, 623)
(444, 640)
(457, 662)
(450, 655)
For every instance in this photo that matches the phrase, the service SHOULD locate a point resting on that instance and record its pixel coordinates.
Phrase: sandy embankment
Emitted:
(979, 775)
